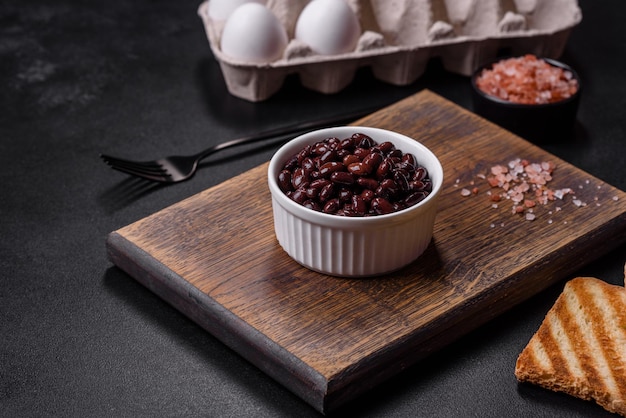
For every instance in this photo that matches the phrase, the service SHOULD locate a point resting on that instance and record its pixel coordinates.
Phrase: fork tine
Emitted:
(139, 168)
(143, 166)
(164, 177)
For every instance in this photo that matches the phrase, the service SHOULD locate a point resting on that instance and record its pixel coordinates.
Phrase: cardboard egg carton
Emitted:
(399, 38)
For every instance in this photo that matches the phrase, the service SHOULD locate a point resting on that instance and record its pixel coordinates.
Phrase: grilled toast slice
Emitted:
(580, 347)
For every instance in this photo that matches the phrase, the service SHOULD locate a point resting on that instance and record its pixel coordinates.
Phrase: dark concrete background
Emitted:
(78, 337)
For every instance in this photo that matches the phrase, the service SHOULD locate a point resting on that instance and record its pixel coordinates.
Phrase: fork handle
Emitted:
(287, 130)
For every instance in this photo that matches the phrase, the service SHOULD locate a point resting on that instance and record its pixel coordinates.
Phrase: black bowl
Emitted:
(541, 123)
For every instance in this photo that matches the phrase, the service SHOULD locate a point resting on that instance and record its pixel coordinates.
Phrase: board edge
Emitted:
(256, 348)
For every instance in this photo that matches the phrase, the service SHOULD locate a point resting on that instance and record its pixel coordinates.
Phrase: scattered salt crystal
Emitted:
(517, 197)
(615, 198)
(525, 184)
(560, 193)
(492, 226)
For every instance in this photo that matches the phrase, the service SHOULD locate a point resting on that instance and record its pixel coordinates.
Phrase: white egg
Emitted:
(328, 27)
(221, 9)
(253, 34)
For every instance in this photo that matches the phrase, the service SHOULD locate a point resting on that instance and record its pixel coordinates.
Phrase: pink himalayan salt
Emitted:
(527, 80)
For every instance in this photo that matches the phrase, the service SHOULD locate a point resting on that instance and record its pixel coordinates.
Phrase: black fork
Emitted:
(178, 168)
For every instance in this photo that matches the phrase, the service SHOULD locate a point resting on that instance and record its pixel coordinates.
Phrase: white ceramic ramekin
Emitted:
(354, 246)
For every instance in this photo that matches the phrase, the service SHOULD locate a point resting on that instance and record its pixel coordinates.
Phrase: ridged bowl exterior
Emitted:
(361, 246)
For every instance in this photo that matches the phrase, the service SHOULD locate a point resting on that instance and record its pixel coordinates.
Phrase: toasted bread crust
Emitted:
(580, 347)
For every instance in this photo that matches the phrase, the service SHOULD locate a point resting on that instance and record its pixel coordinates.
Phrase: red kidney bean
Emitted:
(333, 142)
(416, 186)
(368, 183)
(405, 166)
(311, 204)
(389, 185)
(306, 151)
(292, 164)
(320, 148)
(381, 206)
(345, 195)
(327, 192)
(386, 147)
(308, 164)
(299, 177)
(354, 176)
(328, 156)
(342, 153)
(364, 141)
(329, 168)
(373, 159)
(350, 159)
(342, 177)
(367, 195)
(410, 159)
(358, 204)
(401, 180)
(384, 169)
(284, 181)
(319, 183)
(299, 196)
(361, 152)
(332, 206)
(360, 169)
(347, 211)
(415, 198)
(420, 173)
(311, 193)
(346, 144)
(397, 206)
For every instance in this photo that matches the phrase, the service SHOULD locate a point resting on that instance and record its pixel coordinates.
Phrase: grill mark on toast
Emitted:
(610, 309)
(556, 340)
(580, 347)
(540, 356)
(534, 362)
(580, 312)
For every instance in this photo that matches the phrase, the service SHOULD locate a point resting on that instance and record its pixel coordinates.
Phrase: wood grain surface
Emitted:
(215, 258)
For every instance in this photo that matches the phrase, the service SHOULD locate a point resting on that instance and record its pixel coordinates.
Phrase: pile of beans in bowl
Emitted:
(354, 176)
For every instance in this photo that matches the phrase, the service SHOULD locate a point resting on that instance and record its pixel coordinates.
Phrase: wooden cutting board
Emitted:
(214, 257)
